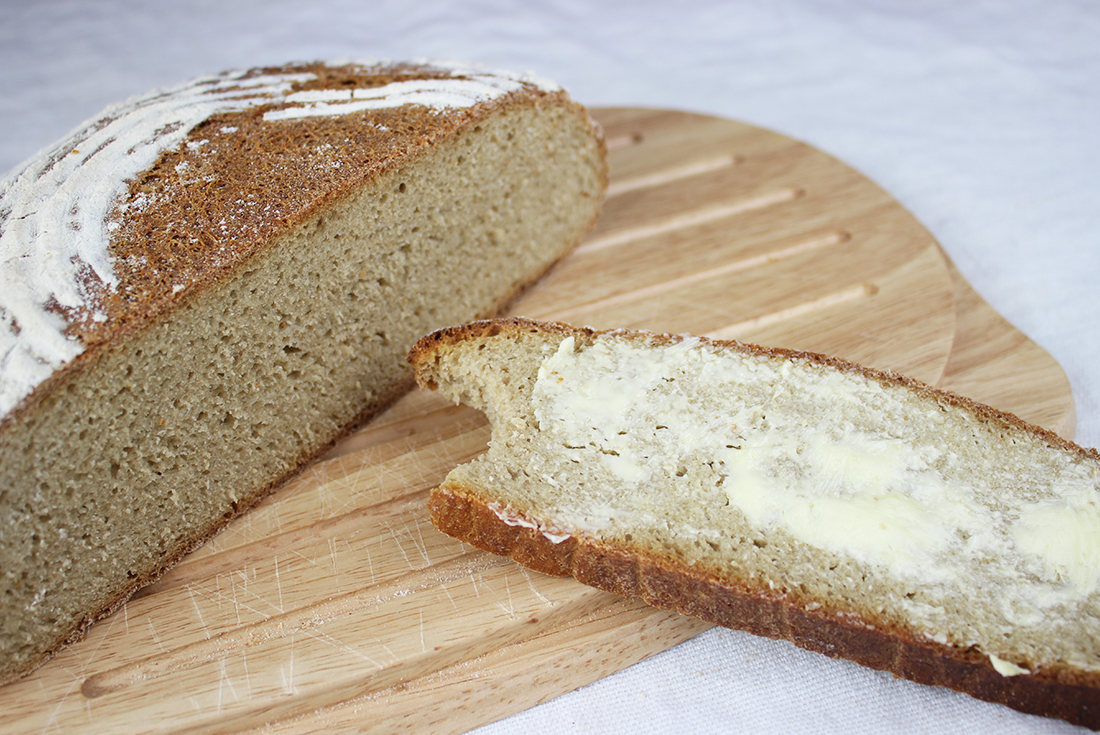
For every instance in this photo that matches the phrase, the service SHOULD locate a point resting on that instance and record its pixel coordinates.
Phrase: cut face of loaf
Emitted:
(245, 298)
(856, 513)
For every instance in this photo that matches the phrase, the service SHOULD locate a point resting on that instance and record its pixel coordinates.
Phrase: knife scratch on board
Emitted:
(219, 598)
(410, 533)
(446, 590)
(154, 635)
(225, 680)
(369, 557)
(278, 584)
(198, 611)
(321, 636)
(534, 588)
(509, 607)
(125, 615)
(420, 542)
(423, 642)
(289, 688)
(332, 556)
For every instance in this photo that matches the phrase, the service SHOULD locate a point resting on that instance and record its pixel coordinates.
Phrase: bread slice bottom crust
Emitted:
(459, 512)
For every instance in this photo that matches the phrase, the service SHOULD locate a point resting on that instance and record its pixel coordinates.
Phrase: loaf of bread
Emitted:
(856, 513)
(206, 286)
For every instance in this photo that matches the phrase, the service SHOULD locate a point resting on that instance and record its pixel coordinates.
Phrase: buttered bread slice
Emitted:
(204, 287)
(856, 513)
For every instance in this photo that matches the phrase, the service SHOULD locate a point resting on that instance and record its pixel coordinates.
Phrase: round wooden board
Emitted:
(334, 605)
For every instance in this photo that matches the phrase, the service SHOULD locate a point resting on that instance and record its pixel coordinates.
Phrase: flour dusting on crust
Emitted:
(60, 209)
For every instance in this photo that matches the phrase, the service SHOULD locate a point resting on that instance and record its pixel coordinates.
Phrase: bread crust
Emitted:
(459, 512)
(144, 297)
(462, 511)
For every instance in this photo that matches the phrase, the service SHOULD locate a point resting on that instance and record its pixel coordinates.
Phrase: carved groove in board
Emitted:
(619, 142)
(670, 175)
(736, 266)
(283, 625)
(860, 291)
(688, 219)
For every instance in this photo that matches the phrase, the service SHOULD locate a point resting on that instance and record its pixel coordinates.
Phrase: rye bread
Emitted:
(204, 287)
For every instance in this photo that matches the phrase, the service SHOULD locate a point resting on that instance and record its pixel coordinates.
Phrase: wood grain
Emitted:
(334, 605)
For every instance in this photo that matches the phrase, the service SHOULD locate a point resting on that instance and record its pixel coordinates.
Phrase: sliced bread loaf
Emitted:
(856, 513)
(205, 287)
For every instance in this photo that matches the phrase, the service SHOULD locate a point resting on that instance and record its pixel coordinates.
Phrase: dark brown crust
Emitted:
(460, 511)
(145, 296)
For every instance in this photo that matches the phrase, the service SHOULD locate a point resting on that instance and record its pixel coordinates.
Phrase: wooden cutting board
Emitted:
(334, 605)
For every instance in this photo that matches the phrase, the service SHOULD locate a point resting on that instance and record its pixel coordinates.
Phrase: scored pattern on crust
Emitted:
(172, 189)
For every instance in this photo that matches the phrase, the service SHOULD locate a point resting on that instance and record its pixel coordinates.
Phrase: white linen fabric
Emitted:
(982, 118)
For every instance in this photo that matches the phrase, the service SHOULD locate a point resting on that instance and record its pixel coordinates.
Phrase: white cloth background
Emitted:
(981, 117)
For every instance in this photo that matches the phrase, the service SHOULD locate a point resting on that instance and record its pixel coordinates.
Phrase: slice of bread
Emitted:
(205, 287)
(856, 513)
